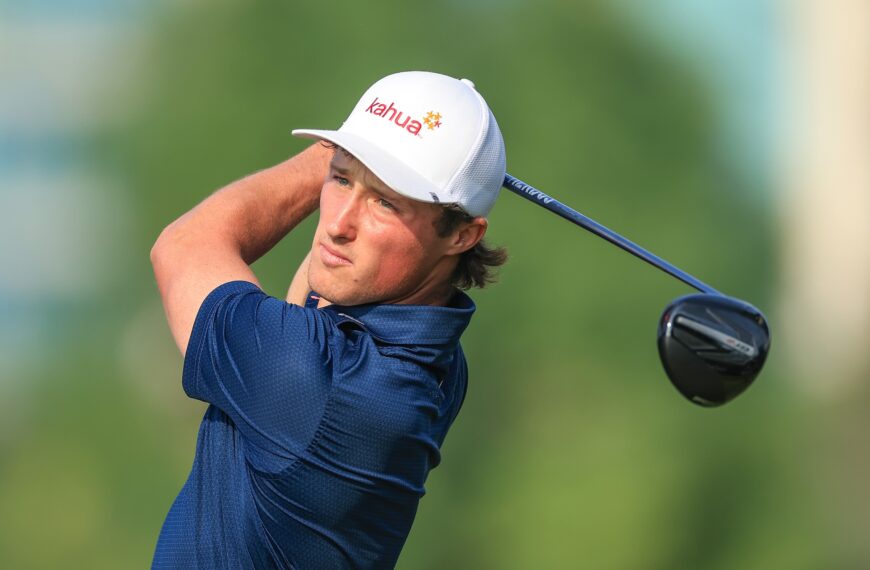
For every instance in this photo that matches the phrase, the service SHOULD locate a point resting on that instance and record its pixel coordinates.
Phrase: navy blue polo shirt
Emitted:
(322, 428)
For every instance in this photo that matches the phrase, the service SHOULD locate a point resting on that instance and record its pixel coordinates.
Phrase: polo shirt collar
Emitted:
(410, 324)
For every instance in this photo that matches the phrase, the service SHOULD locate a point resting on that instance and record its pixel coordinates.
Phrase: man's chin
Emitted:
(334, 295)
(344, 300)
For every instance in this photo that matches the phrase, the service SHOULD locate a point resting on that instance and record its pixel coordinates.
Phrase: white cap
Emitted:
(427, 136)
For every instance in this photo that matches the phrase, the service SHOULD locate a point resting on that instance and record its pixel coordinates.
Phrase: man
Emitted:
(328, 411)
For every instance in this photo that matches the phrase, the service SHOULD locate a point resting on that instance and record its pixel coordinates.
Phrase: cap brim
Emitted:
(392, 172)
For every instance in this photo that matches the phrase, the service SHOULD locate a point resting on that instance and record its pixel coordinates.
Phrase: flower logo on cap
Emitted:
(432, 120)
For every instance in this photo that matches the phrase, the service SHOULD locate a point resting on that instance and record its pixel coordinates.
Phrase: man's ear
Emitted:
(467, 235)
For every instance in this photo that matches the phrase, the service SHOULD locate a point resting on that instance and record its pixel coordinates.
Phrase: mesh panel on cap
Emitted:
(477, 183)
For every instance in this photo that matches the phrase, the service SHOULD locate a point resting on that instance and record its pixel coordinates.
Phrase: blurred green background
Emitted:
(572, 450)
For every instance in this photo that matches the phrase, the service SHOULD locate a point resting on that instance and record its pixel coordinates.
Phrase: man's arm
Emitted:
(299, 286)
(217, 240)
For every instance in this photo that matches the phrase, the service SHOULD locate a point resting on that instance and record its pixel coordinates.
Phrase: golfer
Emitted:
(327, 411)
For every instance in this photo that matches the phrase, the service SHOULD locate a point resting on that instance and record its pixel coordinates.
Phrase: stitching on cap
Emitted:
(477, 142)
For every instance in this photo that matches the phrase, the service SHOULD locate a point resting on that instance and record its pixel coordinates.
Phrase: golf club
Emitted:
(712, 346)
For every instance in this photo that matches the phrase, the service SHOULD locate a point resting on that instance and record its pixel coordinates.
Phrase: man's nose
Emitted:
(343, 225)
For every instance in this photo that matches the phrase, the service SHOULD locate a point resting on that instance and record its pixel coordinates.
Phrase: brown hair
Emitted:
(476, 266)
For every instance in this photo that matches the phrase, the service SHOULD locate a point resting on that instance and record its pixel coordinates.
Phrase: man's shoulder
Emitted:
(239, 316)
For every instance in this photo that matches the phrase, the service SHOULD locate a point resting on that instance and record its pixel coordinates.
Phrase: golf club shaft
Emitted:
(532, 194)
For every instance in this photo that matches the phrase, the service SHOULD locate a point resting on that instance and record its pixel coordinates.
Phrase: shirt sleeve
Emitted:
(263, 362)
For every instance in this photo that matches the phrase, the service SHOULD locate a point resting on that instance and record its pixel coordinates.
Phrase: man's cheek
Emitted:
(397, 265)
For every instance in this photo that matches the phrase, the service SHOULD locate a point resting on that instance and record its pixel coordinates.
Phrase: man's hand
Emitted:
(217, 240)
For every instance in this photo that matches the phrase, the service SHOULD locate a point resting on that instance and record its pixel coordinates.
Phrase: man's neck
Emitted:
(440, 298)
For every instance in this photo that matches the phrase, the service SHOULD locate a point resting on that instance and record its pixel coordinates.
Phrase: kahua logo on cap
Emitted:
(398, 130)
(432, 120)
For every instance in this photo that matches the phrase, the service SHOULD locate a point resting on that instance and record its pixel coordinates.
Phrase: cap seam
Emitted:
(474, 147)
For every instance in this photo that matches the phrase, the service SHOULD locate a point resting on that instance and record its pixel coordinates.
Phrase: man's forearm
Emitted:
(255, 213)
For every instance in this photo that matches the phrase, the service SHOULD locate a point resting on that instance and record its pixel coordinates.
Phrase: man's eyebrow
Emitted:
(388, 194)
(378, 189)
(339, 169)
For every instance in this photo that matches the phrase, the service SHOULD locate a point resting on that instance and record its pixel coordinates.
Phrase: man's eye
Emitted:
(342, 181)
(386, 204)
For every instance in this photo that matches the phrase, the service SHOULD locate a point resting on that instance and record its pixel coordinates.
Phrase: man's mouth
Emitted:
(332, 258)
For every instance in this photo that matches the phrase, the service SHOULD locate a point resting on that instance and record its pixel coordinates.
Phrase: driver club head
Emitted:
(712, 347)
